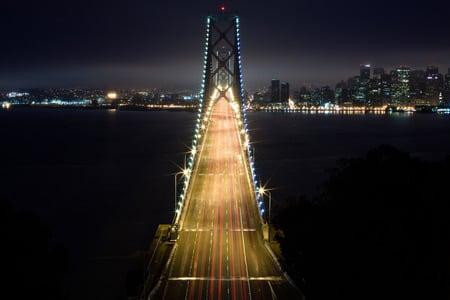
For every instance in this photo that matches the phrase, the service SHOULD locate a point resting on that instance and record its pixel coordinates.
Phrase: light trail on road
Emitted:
(220, 253)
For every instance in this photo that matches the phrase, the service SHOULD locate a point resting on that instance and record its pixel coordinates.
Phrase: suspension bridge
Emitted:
(216, 246)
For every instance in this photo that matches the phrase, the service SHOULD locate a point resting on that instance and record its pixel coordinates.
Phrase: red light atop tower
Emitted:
(222, 8)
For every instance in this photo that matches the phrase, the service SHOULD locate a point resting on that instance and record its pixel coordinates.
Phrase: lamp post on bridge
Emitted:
(192, 151)
(184, 173)
(263, 191)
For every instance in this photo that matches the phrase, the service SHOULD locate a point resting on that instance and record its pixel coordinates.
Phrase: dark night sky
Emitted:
(137, 43)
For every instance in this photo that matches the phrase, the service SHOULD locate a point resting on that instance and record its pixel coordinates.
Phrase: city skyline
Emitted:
(139, 44)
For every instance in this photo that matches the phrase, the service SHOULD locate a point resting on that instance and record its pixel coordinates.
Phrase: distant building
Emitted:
(327, 95)
(321, 96)
(417, 87)
(316, 97)
(364, 72)
(374, 97)
(375, 88)
(260, 97)
(358, 86)
(378, 73)
(446, 93)
(275, 91)
(341, 94)
(303, 97)
(434, 83)
(385, 88)
(284, 96)
(358, 90)
(400, 86)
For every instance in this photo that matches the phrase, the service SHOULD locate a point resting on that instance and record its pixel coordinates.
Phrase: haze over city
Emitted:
(134, 44)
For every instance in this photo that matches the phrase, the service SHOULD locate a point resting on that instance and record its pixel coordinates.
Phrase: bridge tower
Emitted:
(222, 72)
(221, 78)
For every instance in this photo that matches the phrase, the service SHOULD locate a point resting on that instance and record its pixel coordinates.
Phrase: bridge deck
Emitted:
(220, 253)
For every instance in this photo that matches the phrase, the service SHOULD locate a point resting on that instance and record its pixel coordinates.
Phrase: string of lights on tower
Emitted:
(208, 94)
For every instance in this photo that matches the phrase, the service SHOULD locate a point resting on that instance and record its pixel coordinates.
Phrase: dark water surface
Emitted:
(102, 179)
(295, 151)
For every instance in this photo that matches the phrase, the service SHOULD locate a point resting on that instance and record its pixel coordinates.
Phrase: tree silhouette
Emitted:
(379, 229)
(32, 267)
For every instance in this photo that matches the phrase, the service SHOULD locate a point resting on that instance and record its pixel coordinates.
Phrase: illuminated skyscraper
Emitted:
(374, 97)
(385, 88)
(358, 88)
(361, 89)
(400, 86)
(379, 91)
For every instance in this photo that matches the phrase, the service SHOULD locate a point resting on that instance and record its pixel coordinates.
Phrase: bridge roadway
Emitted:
(220, 253)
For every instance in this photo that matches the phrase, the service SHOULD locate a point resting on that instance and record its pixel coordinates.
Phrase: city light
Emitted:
(112, 95)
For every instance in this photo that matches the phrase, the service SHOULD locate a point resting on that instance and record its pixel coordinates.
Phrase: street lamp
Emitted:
(262, 191)
(184, 173)
(192, 151)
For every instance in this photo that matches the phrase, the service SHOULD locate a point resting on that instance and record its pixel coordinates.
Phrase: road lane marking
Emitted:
(216, 229)
(261, 278)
